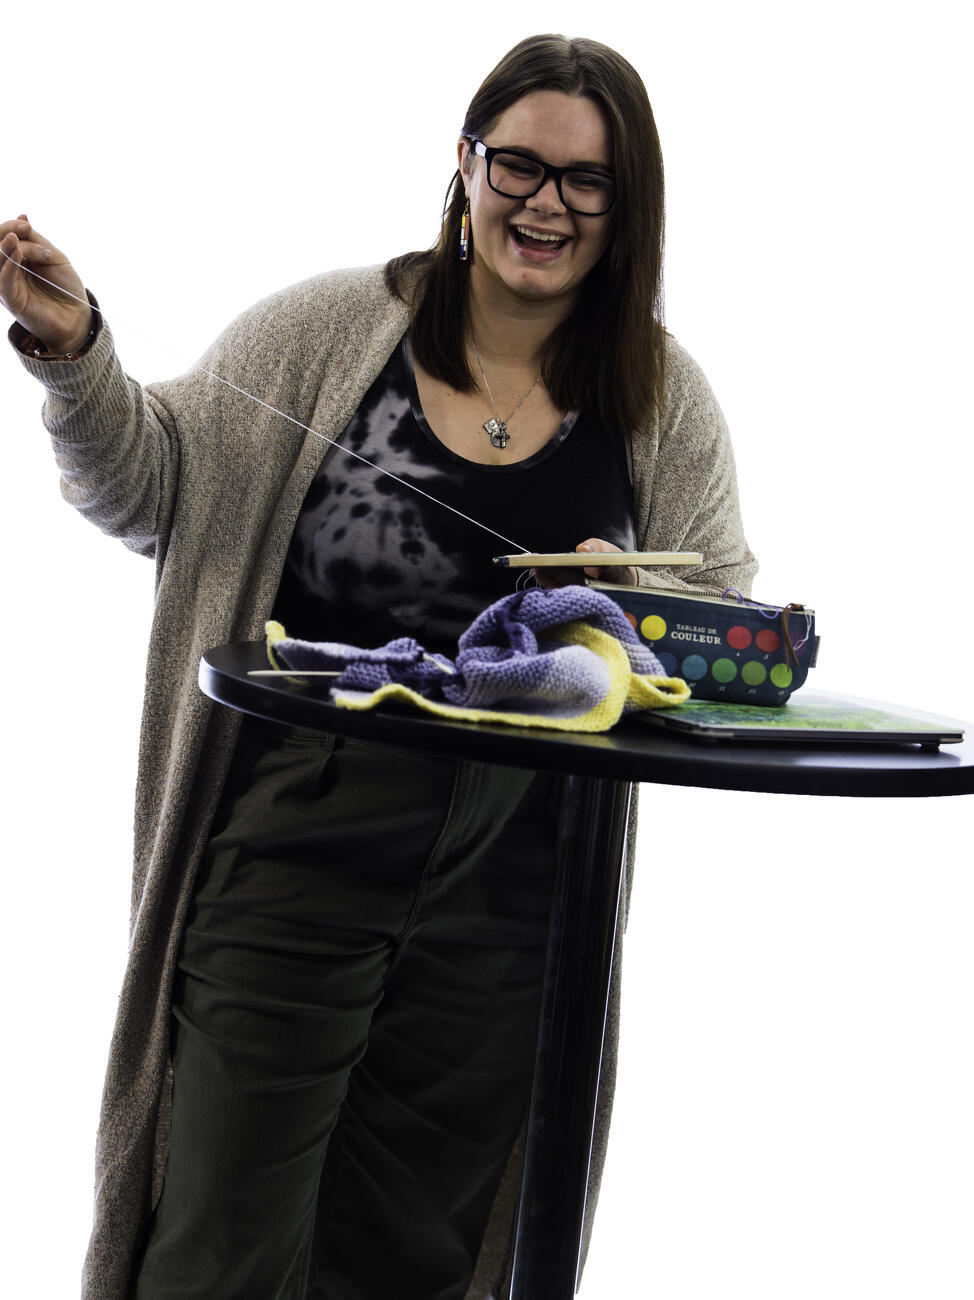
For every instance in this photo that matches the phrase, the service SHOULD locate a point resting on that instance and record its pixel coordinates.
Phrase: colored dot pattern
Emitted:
(782, 676)
(724, 669)
(694, 667)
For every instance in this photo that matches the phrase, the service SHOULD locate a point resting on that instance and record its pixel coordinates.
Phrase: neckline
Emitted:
(549, 448)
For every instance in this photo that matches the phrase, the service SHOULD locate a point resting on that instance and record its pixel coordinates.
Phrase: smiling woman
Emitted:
(325, 1040)
(591, 310)
(533, 244)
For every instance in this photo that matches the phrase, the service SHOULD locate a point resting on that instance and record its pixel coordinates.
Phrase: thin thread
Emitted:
(773, 611)
(767, 611)
(267, 406)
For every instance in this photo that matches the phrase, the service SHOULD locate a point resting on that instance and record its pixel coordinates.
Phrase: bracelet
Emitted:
(33, 347)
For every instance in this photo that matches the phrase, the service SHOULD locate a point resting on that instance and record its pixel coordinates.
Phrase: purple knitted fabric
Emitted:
(403, 660)
(509, 657)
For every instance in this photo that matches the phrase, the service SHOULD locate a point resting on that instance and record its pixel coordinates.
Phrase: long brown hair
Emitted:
(607, 355)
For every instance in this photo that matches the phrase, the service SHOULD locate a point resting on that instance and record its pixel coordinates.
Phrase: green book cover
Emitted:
(808, 716)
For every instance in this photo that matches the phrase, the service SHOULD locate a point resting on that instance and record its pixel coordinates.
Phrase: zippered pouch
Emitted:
(725, 647)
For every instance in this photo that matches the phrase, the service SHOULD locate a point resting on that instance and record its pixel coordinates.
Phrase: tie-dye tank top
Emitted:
(371, 560)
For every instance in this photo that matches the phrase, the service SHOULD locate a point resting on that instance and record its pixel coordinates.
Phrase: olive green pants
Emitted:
(354, 1023)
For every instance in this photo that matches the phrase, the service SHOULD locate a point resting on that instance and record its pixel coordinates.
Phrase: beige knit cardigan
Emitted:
(209, 484)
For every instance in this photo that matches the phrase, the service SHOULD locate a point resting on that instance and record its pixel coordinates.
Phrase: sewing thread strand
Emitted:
(195, 365)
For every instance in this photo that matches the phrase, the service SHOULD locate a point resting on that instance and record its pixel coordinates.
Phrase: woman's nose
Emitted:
(547, 199)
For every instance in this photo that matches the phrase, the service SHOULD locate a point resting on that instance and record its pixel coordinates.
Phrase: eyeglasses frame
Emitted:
(488, 152)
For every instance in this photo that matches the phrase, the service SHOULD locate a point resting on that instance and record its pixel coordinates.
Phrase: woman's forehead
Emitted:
(560, 128)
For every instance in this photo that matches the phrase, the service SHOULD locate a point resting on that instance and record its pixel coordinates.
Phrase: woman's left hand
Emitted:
(623, 574)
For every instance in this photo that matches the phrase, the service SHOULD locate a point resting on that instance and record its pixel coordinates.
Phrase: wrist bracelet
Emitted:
(33, 347)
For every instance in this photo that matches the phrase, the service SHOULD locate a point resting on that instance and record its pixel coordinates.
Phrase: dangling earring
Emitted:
(465, 233)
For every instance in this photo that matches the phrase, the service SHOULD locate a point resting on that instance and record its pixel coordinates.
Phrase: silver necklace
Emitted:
(496, 427)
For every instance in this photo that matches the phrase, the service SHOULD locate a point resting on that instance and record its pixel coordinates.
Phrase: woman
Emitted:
(323, 1050)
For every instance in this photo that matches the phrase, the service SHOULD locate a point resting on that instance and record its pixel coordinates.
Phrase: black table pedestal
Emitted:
(561, 1119)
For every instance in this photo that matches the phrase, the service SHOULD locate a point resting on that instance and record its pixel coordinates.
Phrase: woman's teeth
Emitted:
(526, 235)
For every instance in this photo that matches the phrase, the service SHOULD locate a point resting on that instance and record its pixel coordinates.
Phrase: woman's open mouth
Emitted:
(541, 243)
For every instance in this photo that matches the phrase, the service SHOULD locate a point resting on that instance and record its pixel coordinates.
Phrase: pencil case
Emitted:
(725, 647)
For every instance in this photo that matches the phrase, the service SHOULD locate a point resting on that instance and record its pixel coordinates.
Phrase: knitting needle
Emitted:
(321, 672)
(291, 672)
(591, 559)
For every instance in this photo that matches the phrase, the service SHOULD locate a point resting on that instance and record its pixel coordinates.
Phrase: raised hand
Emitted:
(57, 318)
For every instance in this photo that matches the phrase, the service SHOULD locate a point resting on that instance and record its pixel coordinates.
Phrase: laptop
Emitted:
(808, 716)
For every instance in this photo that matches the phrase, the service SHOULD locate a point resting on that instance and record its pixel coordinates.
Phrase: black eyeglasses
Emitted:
(517, 175)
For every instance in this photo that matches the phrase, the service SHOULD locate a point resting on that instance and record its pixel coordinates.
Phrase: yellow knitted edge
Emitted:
(642, 690)
(274, 632)
(657, 692)
(608, 711)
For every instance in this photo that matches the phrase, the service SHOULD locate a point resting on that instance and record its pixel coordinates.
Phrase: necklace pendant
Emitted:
(498, 432)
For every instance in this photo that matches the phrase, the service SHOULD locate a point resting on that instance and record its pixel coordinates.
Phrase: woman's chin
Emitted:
(536, 281)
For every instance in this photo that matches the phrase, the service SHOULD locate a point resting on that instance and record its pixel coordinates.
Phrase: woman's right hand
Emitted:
(58, 319)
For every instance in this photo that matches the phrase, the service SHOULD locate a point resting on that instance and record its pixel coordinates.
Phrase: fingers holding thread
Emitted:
(23, 229)
(40, 287)
(31, 251)
(13, 292)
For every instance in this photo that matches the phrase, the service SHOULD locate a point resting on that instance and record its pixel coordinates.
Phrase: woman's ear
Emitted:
(464, 159)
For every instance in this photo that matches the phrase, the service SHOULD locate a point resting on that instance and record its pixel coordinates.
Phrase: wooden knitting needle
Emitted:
(591, 559)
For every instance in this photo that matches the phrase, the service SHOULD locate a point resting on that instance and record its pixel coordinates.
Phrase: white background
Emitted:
(793, 1115)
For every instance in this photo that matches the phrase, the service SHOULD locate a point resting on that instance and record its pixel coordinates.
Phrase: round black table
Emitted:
(601, 770)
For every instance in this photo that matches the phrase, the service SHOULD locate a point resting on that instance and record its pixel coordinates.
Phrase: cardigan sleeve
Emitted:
(143, 462)
(116, 448)
(686, 492)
